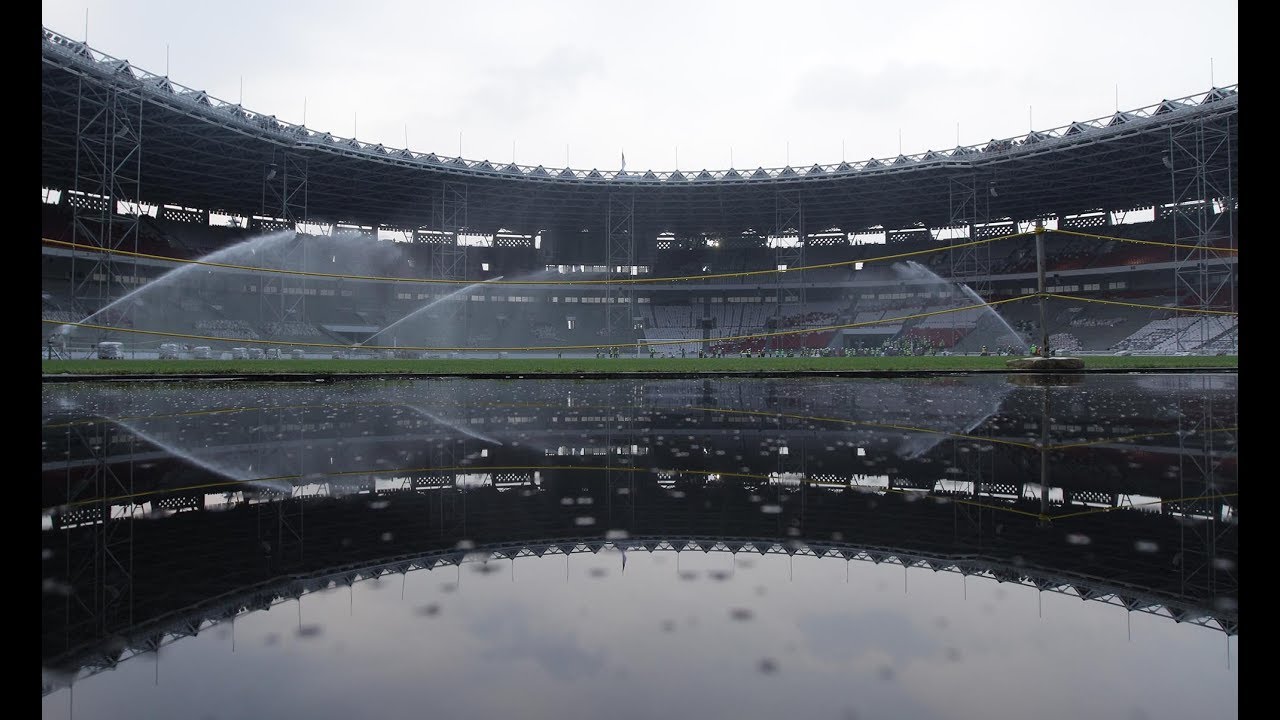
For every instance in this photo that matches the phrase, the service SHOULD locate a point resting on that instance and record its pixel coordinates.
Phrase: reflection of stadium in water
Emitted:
(226, 498)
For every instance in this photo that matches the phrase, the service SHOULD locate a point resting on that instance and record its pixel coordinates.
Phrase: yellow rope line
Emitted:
(1096, 511)
(1126, 438)
(623, 281)
(384, 471)
(861, 423)
(578, 468)
(1138, 305)
(219, 411)
(508, 468)
(1183, 246)
(214, 411)
(543, 348)
(864, 423)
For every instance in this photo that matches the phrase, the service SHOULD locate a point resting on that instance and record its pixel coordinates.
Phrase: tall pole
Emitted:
(1044, 329)
(1044, 459)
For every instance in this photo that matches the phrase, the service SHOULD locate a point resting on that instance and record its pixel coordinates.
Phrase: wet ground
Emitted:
(969, 546)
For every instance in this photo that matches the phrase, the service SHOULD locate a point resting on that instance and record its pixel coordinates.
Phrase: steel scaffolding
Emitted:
(970, 204)
(106, 193)
(98, 565)
(284, 205)
(448, 259)
(620, 259)
(1206, 439)
(788, 205)
(1201, 176)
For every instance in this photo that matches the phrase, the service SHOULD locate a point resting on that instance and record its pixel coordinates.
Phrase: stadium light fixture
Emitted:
(1167, 163)
(271, 171)
(991, 188)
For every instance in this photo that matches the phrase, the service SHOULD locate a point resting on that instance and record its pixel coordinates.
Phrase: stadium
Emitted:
(179, 225)
(300, 390)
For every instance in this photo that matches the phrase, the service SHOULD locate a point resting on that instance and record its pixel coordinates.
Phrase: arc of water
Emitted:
(930, 276)
(430, 305)
(252, 245)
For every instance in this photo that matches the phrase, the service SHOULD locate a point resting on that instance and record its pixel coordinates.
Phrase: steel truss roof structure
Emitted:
(151, 636)
(218, 585)
(202, 152)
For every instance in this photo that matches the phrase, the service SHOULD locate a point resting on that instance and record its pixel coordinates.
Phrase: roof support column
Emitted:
(620, 259)
(104, 199)
(1200, 162)
(449, 262)
(788, 219)
(1044, 328)
(284, 205)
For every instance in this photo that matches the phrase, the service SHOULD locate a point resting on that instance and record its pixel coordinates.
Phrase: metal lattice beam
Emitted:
(788, 220)
(1201, 174)
(448, 258)
(969, 199)
(1205, 440)
(106, 189)
(620, 259)
(207, 153)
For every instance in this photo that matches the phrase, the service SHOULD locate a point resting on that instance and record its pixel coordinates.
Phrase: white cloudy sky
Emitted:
(771, 82)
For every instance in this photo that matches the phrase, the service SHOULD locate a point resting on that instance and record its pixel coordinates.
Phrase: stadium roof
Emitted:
(202, 152)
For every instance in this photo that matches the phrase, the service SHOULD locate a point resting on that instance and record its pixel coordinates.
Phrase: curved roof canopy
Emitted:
(199, 151)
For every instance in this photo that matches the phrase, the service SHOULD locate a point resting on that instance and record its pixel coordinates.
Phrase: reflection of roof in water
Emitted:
(1119, 558)
(698, 461)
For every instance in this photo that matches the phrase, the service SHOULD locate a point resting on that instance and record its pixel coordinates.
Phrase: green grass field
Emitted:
(538, 366)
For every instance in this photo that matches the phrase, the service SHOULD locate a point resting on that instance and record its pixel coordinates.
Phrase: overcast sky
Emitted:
(774, 83)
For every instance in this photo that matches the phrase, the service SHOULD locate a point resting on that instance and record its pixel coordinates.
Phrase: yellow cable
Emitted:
(540, 348)
(1183, 246)
(506, 468)
(864, 423)
(544, 406)
(577, 468)
(624, 281)
(1096, 511)
(1126, 438)
(1140, 305)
